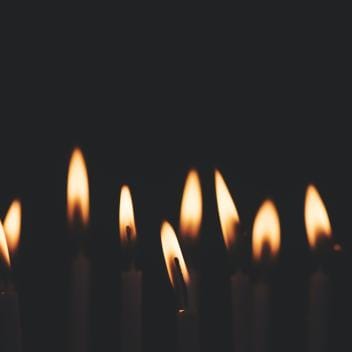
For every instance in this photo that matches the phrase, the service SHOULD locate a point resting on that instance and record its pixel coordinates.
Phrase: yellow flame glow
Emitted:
(191, 206)
(266, 230)
(4, 251)
(229, 219)
(172, 250)
(126, 215)
(316, 217)
(12, 225)
(77, 188)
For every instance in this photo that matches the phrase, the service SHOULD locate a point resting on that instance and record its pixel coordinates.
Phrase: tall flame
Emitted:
(4, 251)
(172, 250)
(229, 219)
(316, 217)
(12, 225)
(266, 231)
(77, 188)
(126, 215)
(191, 206)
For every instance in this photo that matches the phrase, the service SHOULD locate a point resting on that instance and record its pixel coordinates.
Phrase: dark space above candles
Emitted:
(268, 108)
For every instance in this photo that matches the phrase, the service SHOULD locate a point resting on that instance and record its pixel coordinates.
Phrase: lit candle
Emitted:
(319, 234)
(235, 244)
(181, 280)
(10, 330)
(78, 220)
(131, 278)
(265, 248)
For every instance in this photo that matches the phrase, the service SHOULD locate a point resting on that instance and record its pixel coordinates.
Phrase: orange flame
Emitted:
(172, 250)
(126, 215)
(12, 225)
(266, 230)
(4, 251)
(77, 188)
(229, 219)
(316, 217)
(191, 206)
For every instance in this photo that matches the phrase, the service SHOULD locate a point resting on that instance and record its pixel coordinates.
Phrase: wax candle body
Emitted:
(240, 295)
(131, 311)
(10, 330)
(188, 320)
(318, 312)
(80, 304)
(261, 317)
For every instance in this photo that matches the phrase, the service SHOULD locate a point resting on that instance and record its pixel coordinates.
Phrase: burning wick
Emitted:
(181, 288)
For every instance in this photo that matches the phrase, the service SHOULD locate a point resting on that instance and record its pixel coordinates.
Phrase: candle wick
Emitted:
(180, 287)
(129, 233)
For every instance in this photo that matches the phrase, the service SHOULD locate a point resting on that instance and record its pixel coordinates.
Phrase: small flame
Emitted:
(316, 217)
(12, 225)
(4, 251)
(126, 215)
(229, 219)
(191, 206)
(77, 189)
(172, 250)
(266, 230)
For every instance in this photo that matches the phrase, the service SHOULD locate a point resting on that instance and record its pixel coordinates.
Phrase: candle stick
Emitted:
(235, 243)
(10, 331)
(131, 277)
(319, 235)
(78, 217)
(181, 280)
(265, 248)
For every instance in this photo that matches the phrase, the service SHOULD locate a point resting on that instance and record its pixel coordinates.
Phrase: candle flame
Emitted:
(12, 225)
(126, 215)
(229, 219)
(316, 217)
(77, 189)
(266, 231)
(191, 206)
(172, 250)
(4, 251)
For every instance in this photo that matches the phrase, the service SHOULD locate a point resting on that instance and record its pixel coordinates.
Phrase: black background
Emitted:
(264, 98)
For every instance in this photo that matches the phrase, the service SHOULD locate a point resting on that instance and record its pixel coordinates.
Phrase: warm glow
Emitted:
(126, 215)
(77, 188)
(266, 230)
(4, 251)
(172, 250)
(316, 217)
(229, 219)
(191, 206)
(12, 225)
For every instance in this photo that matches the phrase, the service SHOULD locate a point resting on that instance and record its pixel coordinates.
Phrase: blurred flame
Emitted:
(228, 214)
(191, 206)
(172, 250)
(12, 225)
(77, 188)
(126, 215)
(4, 251)
(266, 230)
(316, 217)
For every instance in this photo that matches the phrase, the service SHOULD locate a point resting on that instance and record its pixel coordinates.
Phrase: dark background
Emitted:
(264, 99)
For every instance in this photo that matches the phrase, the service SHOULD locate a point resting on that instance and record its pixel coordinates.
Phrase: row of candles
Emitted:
(181, 264)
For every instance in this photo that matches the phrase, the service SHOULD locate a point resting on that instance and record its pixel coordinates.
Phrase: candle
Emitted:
(191, 212)
(181, 280)
(319, 234)
(131, 278)
(10, 331)
(265, 248)
(239, 280)
(78, 219)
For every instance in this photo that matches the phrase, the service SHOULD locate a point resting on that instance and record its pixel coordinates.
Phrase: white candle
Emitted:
(319, 235)
(131, 278)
